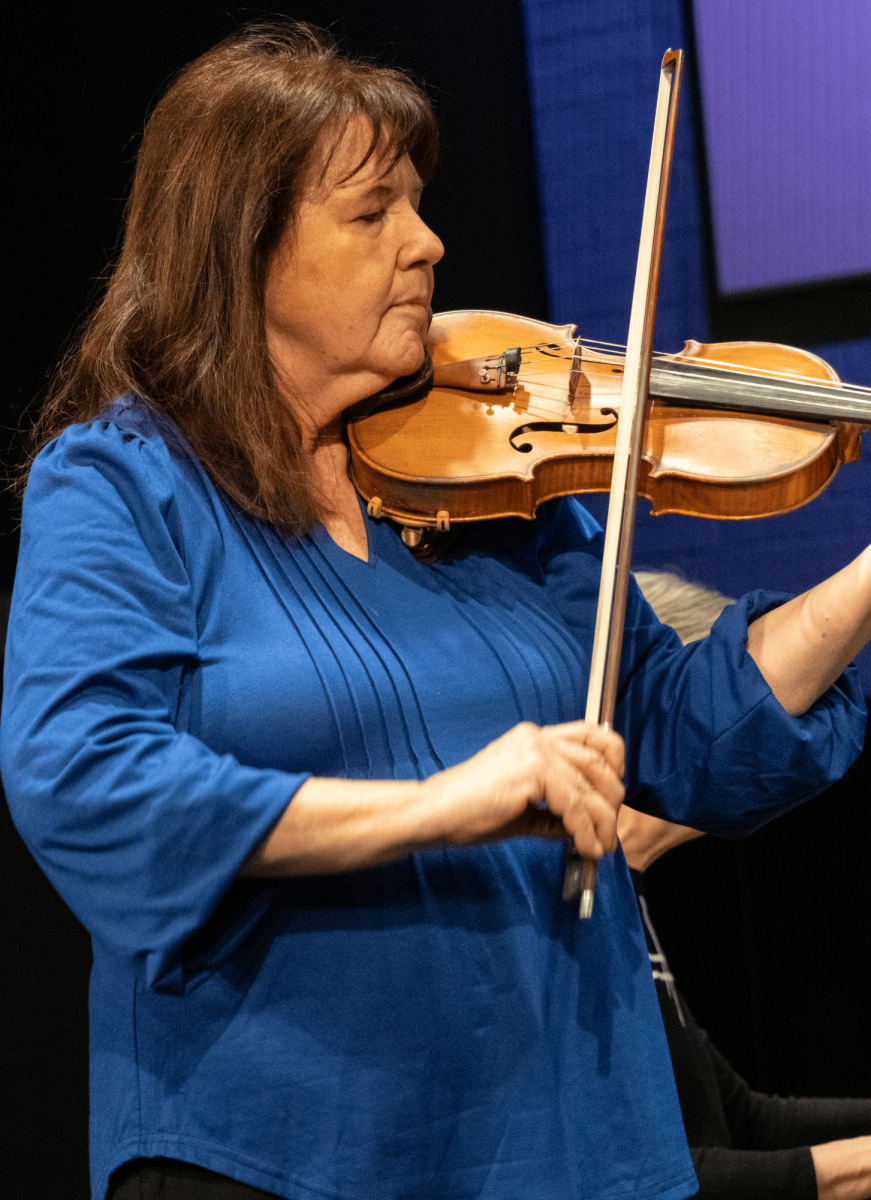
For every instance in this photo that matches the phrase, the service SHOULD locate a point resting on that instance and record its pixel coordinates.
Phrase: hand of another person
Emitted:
(551, 781)
(645, 839)
(843, 1169)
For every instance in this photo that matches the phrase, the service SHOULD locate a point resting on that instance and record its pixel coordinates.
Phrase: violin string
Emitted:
(547, 366)
(707, 363)
(595, 345)
(740, 377)
(544, 367)
(737, 384)
(543, 347)
(561, 412)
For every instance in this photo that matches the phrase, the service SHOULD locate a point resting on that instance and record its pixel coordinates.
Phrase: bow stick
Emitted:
(580, 874)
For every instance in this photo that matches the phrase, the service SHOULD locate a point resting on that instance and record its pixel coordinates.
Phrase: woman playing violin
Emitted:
(309, 794)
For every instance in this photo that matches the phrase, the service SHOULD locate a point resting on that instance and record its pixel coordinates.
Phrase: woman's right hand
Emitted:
(552, 781)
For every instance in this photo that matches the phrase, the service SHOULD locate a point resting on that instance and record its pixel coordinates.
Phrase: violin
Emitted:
(519, 411)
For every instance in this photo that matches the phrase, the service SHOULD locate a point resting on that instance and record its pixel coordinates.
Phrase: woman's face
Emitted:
(348, 289)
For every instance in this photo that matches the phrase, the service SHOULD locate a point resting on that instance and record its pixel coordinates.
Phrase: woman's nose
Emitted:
(423, 245)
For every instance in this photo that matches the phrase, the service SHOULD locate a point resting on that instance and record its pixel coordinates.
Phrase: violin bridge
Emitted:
(575, 372)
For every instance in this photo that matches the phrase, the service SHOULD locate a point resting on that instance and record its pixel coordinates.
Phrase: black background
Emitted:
(768, 937)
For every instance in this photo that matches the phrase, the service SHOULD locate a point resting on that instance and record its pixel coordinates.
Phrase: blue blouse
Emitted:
(439, 1028)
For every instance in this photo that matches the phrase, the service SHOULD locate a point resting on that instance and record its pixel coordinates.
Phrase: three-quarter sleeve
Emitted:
(138, 824)
(708, 744)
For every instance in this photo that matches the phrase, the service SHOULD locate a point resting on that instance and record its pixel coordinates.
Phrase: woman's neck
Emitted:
(337, 497)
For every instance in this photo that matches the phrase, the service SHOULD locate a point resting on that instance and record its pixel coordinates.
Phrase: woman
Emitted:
(307, 792)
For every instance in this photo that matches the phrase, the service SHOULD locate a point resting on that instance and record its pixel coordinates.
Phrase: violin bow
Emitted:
(580, 873)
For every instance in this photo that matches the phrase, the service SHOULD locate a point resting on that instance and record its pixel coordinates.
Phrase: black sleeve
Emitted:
(755, 1174)
(759, 1122)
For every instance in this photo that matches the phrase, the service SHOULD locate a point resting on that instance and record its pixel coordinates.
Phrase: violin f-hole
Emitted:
(571, 428)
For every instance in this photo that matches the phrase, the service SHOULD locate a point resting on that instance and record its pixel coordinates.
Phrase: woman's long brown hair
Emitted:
(218, 176)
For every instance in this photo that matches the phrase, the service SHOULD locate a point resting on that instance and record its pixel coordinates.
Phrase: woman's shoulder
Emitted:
(127, 472)
(121, 497)
(128, 440)
(125, 421)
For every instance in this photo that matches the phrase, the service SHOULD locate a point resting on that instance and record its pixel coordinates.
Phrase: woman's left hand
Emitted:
(645, 839)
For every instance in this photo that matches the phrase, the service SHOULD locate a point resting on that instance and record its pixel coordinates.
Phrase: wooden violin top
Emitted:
(468, 450)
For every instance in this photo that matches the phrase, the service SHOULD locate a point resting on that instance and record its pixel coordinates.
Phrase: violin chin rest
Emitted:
(407, 387)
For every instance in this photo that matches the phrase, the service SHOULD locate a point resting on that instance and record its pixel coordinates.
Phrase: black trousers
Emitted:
(169, 1179)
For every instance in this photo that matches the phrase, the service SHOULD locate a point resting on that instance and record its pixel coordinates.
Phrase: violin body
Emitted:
(468, 451)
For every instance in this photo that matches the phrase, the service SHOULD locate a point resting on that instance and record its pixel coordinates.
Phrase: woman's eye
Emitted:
(372, 218)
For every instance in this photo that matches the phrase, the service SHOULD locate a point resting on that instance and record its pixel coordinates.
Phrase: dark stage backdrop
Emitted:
(765, 934)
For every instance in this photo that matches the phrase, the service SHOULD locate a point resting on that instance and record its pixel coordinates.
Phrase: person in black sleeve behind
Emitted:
(744, 1145)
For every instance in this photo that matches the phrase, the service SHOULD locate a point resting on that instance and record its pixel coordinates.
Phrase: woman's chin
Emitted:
(408, 360)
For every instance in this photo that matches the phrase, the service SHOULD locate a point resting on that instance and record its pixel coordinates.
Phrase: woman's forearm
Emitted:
(803, 646)
(334, 825)
(557, 781)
